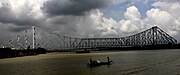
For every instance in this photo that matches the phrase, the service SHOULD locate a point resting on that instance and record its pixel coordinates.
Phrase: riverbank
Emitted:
(9, 53)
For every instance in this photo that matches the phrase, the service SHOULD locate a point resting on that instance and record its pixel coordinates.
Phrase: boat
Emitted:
(94, 63)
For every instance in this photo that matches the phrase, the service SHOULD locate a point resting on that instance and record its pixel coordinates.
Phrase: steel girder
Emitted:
(51, 41)
(152, 36)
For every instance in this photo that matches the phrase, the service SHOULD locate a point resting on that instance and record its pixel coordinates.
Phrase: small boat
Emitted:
(94, 63)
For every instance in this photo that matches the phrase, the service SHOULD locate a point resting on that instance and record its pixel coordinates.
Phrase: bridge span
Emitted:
(35, 37)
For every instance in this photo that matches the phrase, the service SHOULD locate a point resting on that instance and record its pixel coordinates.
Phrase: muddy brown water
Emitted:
(149, 62)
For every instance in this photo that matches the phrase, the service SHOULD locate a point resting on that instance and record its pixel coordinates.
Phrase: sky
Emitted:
(89, 18)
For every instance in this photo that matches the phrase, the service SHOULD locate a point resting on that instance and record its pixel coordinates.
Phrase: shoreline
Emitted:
(100, 52)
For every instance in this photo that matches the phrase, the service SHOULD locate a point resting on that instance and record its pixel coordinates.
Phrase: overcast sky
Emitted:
(89, 18)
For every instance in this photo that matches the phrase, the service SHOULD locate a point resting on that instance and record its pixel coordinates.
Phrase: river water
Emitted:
(149, 62)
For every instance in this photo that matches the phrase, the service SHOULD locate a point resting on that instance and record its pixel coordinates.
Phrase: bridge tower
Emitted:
(33, 37)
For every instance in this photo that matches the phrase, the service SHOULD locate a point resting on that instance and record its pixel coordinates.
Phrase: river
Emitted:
(148, 62)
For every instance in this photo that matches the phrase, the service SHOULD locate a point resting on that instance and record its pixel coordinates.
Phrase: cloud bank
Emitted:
(72, 7)
(85, 18)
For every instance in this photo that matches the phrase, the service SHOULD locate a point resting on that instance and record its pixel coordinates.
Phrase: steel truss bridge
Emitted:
(35, 37)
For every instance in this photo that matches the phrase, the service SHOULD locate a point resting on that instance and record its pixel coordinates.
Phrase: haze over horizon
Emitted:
(89, 18)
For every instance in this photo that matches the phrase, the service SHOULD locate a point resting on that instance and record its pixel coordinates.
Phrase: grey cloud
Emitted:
(62, 20)
(169, 0)
(8, 16)
(18, 29)
(72, 7)
(62, 24)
